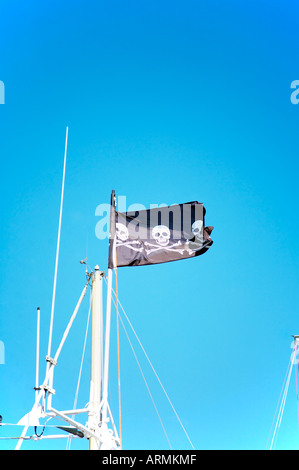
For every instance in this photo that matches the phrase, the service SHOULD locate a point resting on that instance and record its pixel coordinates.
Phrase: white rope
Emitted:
(146, 384)
(278, 402)
(282, 405)
(153, 369)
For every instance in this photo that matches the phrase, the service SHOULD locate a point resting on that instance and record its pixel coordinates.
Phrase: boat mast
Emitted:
(108, 313)
(99, 413)
(96, 356)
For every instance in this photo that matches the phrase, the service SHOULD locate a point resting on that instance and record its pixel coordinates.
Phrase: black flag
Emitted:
(157, 235)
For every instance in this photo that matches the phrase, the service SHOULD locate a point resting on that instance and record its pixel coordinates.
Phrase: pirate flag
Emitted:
(157, 235)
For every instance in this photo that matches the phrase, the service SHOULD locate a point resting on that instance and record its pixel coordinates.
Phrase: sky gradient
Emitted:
(166, 102)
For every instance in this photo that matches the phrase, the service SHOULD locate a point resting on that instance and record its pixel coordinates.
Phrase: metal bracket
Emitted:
(48, 389)
(51, 360)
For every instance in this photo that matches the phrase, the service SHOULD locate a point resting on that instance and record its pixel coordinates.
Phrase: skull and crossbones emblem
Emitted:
(122, 232)
(197, 229)
(161, 234)
(160, 239)
(123, 239)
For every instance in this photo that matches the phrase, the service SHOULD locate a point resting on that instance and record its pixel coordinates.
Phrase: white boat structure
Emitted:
(100, 429)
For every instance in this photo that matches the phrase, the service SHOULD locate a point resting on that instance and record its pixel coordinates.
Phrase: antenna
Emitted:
(37, 388)
(57, 249)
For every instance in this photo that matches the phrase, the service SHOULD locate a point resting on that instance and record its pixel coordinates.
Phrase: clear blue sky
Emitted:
(166, 102)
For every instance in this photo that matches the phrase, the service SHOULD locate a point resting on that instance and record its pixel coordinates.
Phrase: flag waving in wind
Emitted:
(157, 235)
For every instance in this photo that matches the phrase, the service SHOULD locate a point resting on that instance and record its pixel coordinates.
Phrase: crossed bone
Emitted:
(152, 248)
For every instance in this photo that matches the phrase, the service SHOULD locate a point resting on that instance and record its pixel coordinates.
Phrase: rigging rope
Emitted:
(35, 431)
(283, 401)
(144, 379)
(296, 365)
(282, 388)
(153, 369)
(145, 383)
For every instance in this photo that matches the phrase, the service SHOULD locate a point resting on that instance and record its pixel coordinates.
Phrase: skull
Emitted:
(197, 228)
(161, 234)
(121, 232)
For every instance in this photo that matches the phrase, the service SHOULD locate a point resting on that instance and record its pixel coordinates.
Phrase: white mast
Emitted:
(109, 438)
(99, 413)
(107, 352)
(108, 311)
(96, 356)
(36, 388)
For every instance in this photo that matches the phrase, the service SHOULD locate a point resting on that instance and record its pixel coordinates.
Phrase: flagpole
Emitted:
(105, 410)
(107, 348)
